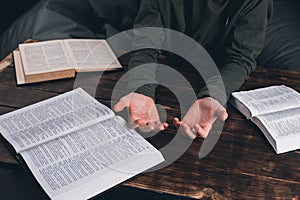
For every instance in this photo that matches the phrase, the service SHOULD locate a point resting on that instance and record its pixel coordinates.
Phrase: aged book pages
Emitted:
(33, 78)
(91, 55)
(43, 57)
(57, 59)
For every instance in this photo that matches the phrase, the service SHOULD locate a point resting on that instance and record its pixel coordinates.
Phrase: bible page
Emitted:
(91, 55)
(284, 128)
(89, 161)
(281, 124)
(45, 57)
(269, 99)
(52, 118)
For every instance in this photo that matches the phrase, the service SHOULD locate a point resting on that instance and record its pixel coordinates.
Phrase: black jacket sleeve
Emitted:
(245, 43)
(146, 43)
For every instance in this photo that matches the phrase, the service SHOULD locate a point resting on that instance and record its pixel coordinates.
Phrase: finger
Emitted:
(200, 131)
(140, 122)
(176, 122)
(203, 131)
(163, 126)
(187, 130)
(134, 123)
(143, 117)
(223, 116)
(221, 113)
(166, 125)
(159, 126)
(154, 126)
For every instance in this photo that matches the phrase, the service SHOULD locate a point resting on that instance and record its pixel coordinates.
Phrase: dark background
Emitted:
(11, 10)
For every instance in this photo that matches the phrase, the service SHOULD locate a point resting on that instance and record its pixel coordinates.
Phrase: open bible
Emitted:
(75, 146)
(57, 59)
(276, 111)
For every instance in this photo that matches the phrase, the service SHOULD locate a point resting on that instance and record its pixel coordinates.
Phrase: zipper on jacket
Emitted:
(227, 22)
(231, 20)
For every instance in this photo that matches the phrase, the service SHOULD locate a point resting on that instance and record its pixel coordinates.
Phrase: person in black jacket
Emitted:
(232, 31)
(238, 27)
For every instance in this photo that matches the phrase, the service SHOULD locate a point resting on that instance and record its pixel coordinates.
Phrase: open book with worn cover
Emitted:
(276, 111)
(57, 59)
(76, 147)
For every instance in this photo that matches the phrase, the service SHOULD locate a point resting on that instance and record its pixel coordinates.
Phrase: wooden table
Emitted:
(242, 165)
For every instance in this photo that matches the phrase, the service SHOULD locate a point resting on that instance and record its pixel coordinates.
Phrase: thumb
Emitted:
(222, 113)
(120, 106)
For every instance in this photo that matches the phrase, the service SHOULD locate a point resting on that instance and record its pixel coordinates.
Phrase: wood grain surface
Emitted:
(242, 165)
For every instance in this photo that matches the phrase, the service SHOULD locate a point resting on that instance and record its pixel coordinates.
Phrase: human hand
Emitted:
(200, 117)
(142, 112)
